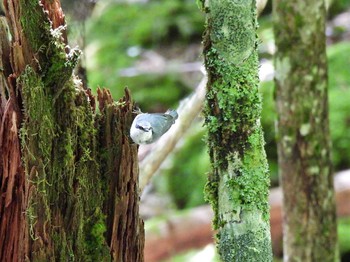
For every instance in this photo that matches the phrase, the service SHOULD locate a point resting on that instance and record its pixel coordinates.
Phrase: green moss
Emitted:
(233, 104)
(38, 34)
(95, 243)
(238, 186)
(51, 59)
(36, 145)
(60, 151)
(253, 183)
(211, 191)
(227, 18)
(38, 108)
(59, 68)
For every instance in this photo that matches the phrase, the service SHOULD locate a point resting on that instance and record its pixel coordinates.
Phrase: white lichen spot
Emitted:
(308, 78)
(225, 31)
(292, 107)
(287, 144)
(313, 170)
(305, 129)
(78, 83)
(73, 52)
(57, 32)
(234, 164)
(283, 66)
(228, 210)
(287, 139)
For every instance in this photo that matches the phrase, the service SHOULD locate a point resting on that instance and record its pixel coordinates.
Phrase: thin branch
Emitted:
(152, 156)
(167, 68)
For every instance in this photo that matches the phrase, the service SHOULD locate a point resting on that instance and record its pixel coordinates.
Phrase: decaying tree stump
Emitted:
(68, 174)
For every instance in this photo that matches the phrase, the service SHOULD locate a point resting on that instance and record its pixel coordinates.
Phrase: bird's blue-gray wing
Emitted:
(160, 123)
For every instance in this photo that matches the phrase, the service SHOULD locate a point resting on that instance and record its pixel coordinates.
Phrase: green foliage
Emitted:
(186, 179)
(339, 93)
(343, 235)
(268, 118)
(152, 92)
(158, 24)
(338, 6)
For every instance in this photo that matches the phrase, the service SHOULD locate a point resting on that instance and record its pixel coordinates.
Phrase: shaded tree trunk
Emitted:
(125, 231)
(303, 131)
(69, 176)
(239, 183)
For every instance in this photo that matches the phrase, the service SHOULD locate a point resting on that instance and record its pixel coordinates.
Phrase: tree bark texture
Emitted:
(69, 175)
(125, 231)
(303, 131)
(239, 183)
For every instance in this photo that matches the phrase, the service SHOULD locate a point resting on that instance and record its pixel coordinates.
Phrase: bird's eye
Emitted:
(143, 128)
(139, 127)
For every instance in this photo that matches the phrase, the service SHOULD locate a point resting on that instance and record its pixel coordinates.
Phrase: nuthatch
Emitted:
(147, 128)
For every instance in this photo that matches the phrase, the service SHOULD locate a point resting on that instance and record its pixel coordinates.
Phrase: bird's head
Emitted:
(141, 132)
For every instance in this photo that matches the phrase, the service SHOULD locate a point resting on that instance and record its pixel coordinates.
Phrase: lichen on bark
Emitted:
(303, 131)
(238, 185)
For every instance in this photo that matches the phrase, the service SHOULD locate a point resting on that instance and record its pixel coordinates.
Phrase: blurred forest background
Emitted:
(154, 48)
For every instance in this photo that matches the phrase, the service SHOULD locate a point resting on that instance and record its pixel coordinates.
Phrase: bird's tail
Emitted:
(173, 113)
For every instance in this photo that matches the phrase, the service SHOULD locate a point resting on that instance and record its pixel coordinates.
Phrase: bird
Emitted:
(148, 128)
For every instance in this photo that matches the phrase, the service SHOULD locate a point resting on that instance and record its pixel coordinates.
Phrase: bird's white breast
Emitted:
(139, 136)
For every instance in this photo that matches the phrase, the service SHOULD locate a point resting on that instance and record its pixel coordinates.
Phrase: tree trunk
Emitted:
(303, 131)
(239, 183)
(125, 231)
(69, 176)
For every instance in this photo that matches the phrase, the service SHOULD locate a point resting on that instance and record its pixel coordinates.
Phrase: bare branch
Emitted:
(151, 156)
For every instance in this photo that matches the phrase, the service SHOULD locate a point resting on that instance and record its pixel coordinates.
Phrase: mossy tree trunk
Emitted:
(303, 131)
(239, 183)
(68, 175)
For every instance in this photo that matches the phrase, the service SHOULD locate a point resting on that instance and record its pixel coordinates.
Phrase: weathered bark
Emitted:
(239, 183)
(69, 176)
(303, 131)
(120, 166)
(13, 186)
